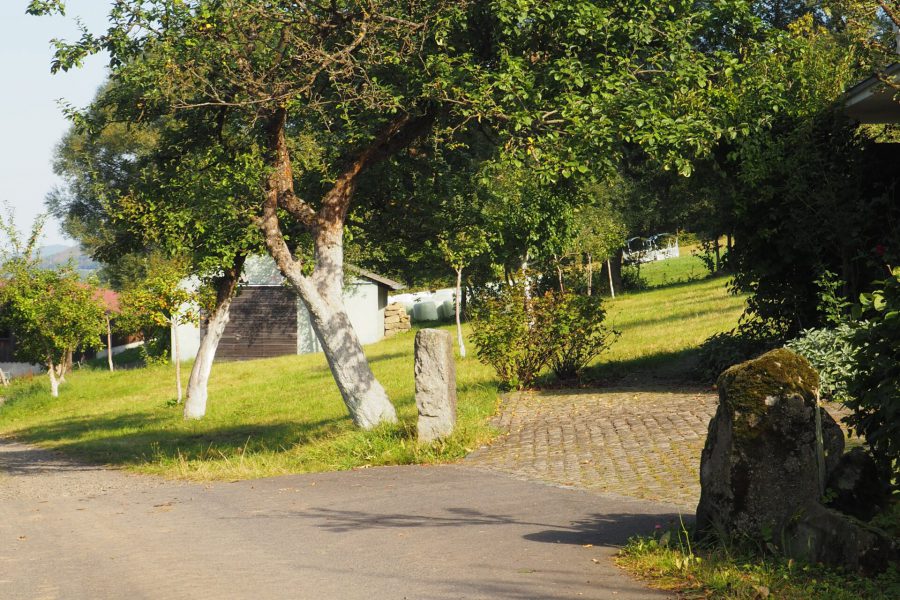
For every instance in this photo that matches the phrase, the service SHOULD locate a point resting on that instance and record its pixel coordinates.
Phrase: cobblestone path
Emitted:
(641, 444)
(629, 442)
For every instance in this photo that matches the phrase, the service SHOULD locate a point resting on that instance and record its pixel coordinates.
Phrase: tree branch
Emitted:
(398, 134)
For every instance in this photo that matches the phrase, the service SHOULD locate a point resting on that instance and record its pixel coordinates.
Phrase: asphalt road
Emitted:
(72, 531)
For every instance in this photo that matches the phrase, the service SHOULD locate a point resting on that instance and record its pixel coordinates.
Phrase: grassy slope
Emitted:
(662, 327)
(686, 267)
(265, 417)
(284, 415)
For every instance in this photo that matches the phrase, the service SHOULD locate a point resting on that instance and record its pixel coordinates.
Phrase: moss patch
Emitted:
(779, 374)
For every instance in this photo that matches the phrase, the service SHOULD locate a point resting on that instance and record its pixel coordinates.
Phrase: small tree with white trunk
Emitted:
(459, 249)
(51, 312)
(161, 301)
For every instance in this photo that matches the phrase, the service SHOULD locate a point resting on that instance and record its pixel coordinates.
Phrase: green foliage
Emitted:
(874, 388)
(832, 354)
(723, 350)
(50, 311)
(579, 331)
(511, 335)
(814, 193)
(519, 335)
(632, 280)
(155, 302)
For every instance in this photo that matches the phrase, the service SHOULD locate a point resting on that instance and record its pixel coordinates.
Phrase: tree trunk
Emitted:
(54, 382)
(459, 335)
(323, 295)
(322, 291)
(65, 366)
(718, 254)
(109, 344)
(612, 288)
(590, 274)
(559, 274)
(176, 358)
(197, 392)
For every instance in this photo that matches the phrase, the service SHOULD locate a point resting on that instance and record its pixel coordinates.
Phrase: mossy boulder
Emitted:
(760, 464)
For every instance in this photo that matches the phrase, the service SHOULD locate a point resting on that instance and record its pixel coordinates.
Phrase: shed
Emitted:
(267, 317)
(872, 100)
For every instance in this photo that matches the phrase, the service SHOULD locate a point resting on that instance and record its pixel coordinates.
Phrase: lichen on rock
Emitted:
(761, 473)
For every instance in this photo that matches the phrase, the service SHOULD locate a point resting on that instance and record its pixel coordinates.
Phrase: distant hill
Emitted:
(55, 255)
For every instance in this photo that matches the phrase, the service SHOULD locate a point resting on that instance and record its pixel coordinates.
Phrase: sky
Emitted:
(31, 121)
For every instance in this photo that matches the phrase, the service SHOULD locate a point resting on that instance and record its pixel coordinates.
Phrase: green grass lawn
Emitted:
(662, 328)
(686, 267)
(285, 415)
(266, 417)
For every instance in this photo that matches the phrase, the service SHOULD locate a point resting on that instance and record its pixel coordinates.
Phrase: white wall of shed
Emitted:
(364, 301)
(188, 342)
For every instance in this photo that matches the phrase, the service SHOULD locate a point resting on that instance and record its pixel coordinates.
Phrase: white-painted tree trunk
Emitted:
(54, 382)
(109, 344)
(195, 405)
(459, 335)
(177, 359)
(612, 289)
(590, 274)
(322, 294)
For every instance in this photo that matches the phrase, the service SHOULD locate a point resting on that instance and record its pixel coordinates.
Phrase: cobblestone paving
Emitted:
(634, 443)
(642, 444)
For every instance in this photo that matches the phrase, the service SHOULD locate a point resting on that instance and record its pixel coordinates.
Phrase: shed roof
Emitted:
(390, 283)
(261, 270)
(872, 100)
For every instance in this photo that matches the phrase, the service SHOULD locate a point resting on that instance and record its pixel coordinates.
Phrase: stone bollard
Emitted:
(435, 384)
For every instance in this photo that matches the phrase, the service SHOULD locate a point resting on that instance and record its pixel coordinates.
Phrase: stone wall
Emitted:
(395, 319)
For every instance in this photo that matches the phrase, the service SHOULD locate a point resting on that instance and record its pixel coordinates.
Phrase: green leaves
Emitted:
(52, 312)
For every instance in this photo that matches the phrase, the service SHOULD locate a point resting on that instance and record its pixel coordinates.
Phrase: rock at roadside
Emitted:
(760, 472)
(435, 384)
(760, 461)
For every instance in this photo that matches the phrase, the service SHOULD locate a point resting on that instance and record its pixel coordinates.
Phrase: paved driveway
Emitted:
(71, 531)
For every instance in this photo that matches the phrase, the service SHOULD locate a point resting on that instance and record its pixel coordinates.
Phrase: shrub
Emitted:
(579, 334)
(509, 336)
(519, 337)
(831, 352)
(874, 388)
(632, 281)
(724, 350)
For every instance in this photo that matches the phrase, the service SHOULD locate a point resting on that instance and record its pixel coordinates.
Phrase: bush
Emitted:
(632, 280)
(724, 350)
(509, 337)
(832, 353)
(519, 338)
(874, 389)
(579, 334)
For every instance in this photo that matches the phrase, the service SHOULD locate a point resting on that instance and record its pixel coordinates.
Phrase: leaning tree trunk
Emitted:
(322, 294)
(322, 291)
(195, 405)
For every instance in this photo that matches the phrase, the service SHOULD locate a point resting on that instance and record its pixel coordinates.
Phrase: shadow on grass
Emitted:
(142, 438)
(660, 372)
